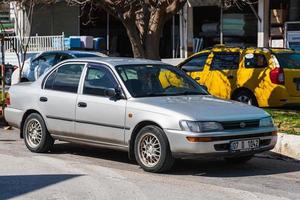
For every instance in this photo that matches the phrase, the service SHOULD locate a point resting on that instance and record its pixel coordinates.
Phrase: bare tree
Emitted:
(143, 19)
(23, 13)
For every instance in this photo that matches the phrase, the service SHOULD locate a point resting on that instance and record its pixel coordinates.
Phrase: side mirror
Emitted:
(110, 92)
(114, 94)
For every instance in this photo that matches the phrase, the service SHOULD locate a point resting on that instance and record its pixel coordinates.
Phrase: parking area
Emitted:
(81, 172)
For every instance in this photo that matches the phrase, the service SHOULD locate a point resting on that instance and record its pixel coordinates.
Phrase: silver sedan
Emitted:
(151, 110)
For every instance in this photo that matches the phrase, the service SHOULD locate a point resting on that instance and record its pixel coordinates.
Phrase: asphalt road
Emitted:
(79, 172)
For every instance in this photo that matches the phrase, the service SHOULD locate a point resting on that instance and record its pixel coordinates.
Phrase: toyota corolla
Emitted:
(153, 111)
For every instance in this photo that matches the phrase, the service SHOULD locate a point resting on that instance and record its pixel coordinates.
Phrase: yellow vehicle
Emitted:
(257, 76)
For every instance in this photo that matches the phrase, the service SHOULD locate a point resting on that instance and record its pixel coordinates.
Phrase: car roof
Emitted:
(116, 61)
(73, 52)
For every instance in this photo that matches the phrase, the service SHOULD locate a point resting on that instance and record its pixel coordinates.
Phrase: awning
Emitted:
(198, 3)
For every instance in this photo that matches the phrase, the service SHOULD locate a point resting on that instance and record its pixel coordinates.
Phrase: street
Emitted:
(80, 172)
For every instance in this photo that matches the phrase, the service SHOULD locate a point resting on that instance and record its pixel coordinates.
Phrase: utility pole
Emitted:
(3, 73)
(221, 23)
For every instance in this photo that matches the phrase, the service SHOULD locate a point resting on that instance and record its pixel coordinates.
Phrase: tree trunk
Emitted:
(136, 43)
(153, 36)
(152, 45)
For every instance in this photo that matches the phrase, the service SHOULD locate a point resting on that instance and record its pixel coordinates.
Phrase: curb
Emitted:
(288, 145)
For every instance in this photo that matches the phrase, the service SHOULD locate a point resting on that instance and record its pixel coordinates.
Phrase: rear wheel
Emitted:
(36, 136)
(239, 160)
(246, 97)
(152, 150)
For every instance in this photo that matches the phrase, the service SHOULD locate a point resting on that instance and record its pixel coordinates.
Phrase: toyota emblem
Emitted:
(242, 125)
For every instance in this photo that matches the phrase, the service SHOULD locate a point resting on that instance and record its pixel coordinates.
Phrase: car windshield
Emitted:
(289, 60)
(157, 80)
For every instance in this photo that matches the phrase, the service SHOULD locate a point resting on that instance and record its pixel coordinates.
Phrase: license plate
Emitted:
(244, 145)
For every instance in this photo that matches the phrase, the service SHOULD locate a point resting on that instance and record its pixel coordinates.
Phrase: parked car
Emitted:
(9, 69)
(37, 65)
(257, 76)
(153, 111)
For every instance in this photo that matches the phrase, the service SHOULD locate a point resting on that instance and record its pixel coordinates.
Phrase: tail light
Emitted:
(7, 99)
(277, 76)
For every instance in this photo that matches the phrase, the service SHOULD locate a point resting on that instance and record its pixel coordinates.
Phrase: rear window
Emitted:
(288, 60)
(256, 61)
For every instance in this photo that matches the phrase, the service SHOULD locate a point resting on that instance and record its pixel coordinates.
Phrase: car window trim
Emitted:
(84, 74)
(192, 57)
(56, 68)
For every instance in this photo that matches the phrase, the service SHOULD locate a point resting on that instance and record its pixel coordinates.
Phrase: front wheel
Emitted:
(36, 136)
(152, 150)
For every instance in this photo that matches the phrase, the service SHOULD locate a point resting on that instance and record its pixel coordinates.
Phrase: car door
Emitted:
(58, 98)
(222, 76)
(99, 117)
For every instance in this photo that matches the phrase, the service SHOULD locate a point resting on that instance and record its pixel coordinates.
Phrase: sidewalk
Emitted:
(288, 145)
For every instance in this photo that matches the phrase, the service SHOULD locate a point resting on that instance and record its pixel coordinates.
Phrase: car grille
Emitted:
(240, 124)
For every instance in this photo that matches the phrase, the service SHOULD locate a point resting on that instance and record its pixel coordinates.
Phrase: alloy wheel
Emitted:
(149, 150)
(33, 133)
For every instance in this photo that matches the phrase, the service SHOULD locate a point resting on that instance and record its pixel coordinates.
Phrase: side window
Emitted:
(97, 80)
(66, 78)
(50, 80)
(197, 63)
(223, 61)
(255, 61)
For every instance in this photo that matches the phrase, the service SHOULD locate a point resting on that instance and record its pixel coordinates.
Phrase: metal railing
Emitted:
(35, 44)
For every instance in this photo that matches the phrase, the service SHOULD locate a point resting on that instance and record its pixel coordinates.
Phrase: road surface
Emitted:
(80, 172)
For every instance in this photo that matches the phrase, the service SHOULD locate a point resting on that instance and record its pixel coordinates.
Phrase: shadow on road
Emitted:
(91, 151)
(262, 164)
(13, 186)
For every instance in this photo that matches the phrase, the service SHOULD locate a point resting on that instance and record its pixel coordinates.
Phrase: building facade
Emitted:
(200, 24)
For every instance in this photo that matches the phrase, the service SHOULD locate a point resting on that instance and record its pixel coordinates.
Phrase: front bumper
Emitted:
(218, 146)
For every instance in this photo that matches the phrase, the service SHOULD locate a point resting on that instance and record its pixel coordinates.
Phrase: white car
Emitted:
(35, 66)
(153, 111)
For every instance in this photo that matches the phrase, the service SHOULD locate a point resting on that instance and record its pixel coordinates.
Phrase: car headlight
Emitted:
(200, 127)
(266, 122)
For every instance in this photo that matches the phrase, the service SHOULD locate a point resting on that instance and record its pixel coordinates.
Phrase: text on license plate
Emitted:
(244, 145)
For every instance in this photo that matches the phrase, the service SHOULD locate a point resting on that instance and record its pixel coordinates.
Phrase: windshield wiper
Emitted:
(191, 93)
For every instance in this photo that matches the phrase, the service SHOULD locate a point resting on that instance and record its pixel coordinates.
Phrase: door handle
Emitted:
(43, 99)
(82, 105)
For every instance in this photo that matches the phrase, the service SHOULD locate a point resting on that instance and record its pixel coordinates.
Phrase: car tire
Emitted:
(36, 135)
(246, 97)
(239, 160)
(152, 150)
